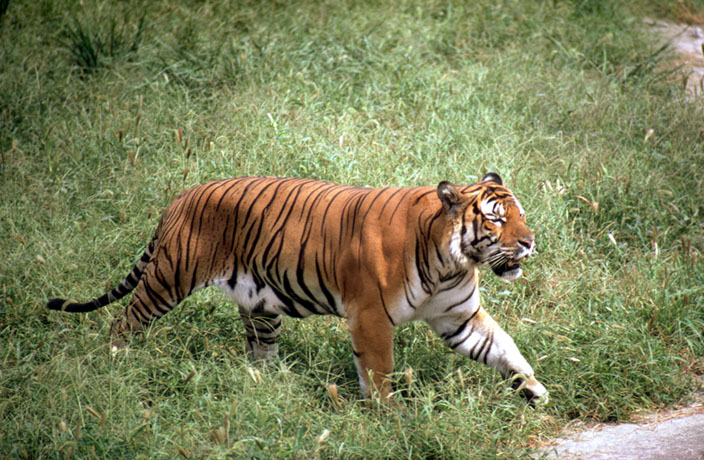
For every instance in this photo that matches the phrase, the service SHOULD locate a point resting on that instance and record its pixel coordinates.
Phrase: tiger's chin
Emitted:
(509, 271)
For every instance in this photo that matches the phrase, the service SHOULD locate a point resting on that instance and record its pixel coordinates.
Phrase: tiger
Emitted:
(379, 257)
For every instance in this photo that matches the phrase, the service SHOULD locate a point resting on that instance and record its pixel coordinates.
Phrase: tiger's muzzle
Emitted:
(507, 264)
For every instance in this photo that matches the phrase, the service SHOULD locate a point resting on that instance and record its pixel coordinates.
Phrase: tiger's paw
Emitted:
(531, 389)
(117, 345)
(115, 349)
(261, 353)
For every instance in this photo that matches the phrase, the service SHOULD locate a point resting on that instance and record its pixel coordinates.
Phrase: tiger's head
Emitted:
(487, 226)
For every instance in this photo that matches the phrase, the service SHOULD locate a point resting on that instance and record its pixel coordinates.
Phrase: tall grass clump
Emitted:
(109, 110)
(93, 44)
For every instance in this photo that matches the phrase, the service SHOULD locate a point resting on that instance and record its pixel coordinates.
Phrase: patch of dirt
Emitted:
(687, 42)
(695, 408)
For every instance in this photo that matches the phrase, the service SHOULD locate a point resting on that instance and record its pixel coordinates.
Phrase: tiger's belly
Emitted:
(254, 298)
(410, 304)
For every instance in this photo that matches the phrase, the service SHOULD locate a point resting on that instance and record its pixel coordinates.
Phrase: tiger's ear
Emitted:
(449, 196)
(493, 177)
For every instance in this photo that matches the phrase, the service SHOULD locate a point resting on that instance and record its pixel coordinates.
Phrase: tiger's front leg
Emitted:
(372, 342)
(475, 334)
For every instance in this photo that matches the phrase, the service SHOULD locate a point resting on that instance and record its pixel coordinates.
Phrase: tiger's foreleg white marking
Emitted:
(475, 334)
(364, 387)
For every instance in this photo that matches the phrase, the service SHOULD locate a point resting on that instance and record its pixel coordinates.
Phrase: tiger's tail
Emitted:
(126, 286)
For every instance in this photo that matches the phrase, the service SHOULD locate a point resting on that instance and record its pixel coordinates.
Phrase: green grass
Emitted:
(110, 109)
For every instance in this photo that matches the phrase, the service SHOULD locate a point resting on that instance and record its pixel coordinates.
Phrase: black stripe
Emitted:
(469, 334)
(177, 275)
(326, 292)
(345, 213)
(309, 221)
(157, 300)
(266, 187)
(424, 194)
(304, 287)
(338, 192)
(406, 286)
(383, 304)
(204, 193)
(483, 346)
(194, 278)
(102, 300)
(277, 236)
(236, 211)
(447, 337)
(491, 343)
(288, 306)
(479, 352)
(133, 277)
(254, 244)
(233, 277)
(454, 305)
(390, 199)
(135, 311)
(460, 278)
(379, 193)
(305, 303)
(406, 191)
(424, 281)
(235, 182)
(215, 251)
(159, 277)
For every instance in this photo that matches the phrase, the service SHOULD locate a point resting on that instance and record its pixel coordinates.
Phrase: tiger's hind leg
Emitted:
(262, 332)
(155, 295)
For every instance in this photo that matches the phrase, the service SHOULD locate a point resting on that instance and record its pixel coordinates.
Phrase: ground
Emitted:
(687, 41)
(676, 434)
(671, 435)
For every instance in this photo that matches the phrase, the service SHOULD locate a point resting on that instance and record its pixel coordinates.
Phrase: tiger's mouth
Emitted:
(508, 270)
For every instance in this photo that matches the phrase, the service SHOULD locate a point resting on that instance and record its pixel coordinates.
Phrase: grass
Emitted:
(90, 48)
(559, 97)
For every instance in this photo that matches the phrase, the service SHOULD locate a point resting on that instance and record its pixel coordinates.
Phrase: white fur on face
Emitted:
(494, 211)
(511, 275)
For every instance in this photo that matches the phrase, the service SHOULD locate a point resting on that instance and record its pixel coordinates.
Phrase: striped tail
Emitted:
(126, 286)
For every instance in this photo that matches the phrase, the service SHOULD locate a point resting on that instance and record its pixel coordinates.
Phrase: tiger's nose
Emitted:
(527, 245)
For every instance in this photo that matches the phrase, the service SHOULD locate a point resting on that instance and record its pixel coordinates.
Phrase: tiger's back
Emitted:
(285, 244)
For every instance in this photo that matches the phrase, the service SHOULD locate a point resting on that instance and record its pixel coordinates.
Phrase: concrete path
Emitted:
(676, 434)
(678, 438)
